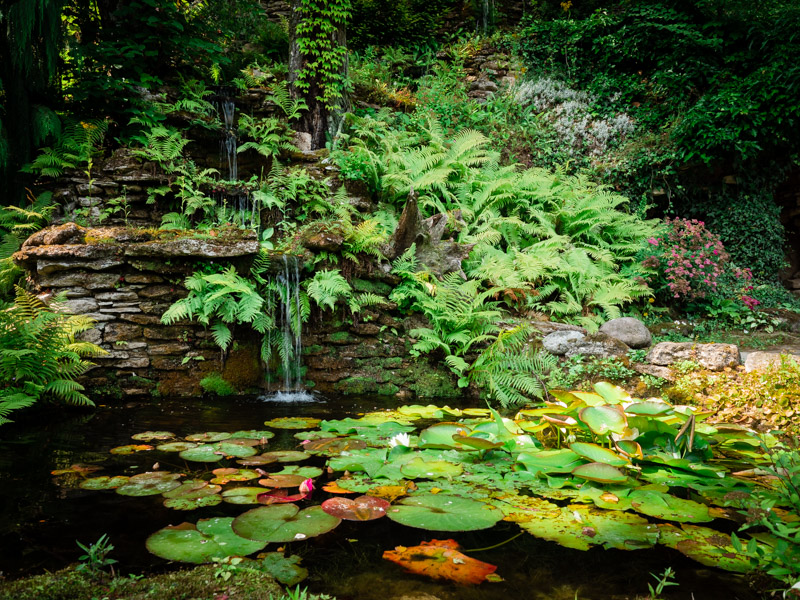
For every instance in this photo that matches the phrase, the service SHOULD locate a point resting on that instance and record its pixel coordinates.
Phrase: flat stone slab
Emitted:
(715, 357)
(763, 361)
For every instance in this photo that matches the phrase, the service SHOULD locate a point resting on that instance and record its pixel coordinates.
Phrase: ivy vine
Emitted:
(317, 41)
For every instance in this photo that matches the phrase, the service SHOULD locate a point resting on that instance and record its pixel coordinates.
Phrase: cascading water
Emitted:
(485, 18)
(291, 329)
(227, 142)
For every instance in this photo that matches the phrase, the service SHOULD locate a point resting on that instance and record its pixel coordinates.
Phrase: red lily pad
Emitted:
(77, 468)
(440, 559)
(363, 508)
(282, 481)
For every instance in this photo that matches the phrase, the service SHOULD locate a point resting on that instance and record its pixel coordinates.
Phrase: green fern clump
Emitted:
(39, 356)
(76, 144)
(214, 383)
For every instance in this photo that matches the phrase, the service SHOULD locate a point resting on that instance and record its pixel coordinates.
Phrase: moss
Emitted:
(313, 349)
(214, 383)
(242, 368)
(356, 385)
(373, 287)
(342, 337)
(426, 382)
(394, 362)
(388, 389)
(199, 583)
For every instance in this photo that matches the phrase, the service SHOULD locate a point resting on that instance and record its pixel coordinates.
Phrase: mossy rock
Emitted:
(375, 287)
(356, 385)
(426, 382)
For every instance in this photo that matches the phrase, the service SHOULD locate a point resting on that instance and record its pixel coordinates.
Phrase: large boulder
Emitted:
(570, 343)
(560, 342)
(764, 361)
(628, 330)
(710, 356)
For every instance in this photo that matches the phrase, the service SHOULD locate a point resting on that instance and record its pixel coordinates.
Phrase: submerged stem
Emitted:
(496, 545)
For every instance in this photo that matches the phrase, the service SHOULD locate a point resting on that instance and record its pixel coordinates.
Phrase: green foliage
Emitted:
(96, 560)
(269, 136)
(327, 287)
(76, 145)
(39, 356)
(219, 300)
(214, 383)
(318, 42)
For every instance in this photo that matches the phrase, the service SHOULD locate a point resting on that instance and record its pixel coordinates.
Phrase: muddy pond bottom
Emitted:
(43, 515)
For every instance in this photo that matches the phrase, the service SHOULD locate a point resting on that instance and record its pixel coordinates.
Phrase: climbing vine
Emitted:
(317, 41)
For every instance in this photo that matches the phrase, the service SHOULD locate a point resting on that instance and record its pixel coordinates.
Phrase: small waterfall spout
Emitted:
(227, 141)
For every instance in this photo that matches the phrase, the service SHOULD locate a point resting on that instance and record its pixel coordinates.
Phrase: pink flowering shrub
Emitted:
(687, 263)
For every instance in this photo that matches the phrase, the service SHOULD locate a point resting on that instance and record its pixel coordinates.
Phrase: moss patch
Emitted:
(373, 287)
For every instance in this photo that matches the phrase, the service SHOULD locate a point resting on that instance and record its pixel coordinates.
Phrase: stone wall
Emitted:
(125, 279)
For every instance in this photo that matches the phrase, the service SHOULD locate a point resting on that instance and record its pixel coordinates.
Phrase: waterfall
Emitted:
(485, 18)
(227, 142)
(291, 329)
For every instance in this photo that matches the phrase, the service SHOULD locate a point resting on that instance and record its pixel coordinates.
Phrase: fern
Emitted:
(76, 144)
(328, 287)
(39, 357)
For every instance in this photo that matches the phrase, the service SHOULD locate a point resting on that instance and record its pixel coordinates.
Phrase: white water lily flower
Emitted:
(401, 439)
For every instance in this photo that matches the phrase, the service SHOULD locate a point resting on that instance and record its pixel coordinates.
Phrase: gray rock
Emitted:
(710, 356)
(80, 306)
(560, 342)
(115, 332)
(600, 345)
(655, 371)
(194, 248)
(628, 330)
(763, 361)
(91, 281)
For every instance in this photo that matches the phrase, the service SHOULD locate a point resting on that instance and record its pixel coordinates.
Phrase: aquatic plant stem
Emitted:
(496, 545)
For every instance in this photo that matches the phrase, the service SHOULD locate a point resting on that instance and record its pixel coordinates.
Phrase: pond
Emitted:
(45, 515)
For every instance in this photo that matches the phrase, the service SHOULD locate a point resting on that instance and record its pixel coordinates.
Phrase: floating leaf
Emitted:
(176, 446)
(363, 508)
(600, 472)
(307, 472)
(418, 467)
(441, 436)
(242, 495)
(293, 423)
(282, 481)
(333, 446)
(150, 484)
(706, 546)
(581, 527)
(630, 448)
(431, 411)
(287, 455)
(286, 569)
(650, 408)
(596, 453)
(259, 460)
(77, 468)
(223, 476)
(280, 496)
(440, 559)
(192, 503)
(149, 436)
(612, 394)
(550, 461)
(604, 419)
(208, 436)
(665, 506)
(254, 434)
(130, 449)
(216, 452)
(284, 523)
(334, 488)
(210, 539)
(438, 512)
(104, 483)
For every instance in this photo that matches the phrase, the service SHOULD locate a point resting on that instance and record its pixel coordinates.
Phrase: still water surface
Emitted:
(43, 516)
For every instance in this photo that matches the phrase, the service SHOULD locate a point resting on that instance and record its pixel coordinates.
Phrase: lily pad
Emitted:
(286, 569)
(284, 523)
(223, 476)
(440, 559)
(333, 446)
(596, 453)
(78, 468)
(706, 546)
(581, 527)
(149, 436)
(242, 495)
(293, 423)
(418, 467)
(150, 484)
(287, 455)
(649, 408)
(363, 508)
(176, 446)
(130, 449)
(630, 448)
(600, 472)
(438, 512)
(254, 434)
(282, 481)
(104, 483)
(193, 488)
(192, 503)
(431, 411)
(550, 461)
(665, 506)
(604, 419)
(208, 540)
(306, 472)
(216, 452)
(612, 394)
(258, 460)
(441, 435)
(208, 436)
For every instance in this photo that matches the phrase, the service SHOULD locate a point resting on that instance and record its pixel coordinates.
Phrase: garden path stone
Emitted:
(628, 330)
(763, 361)
(710, 356)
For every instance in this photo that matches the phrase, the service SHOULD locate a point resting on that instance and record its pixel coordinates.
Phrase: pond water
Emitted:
(43, 515)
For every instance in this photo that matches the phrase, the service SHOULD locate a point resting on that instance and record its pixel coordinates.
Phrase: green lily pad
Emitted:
(314, 435)
(307, 472)
(596, 453)
(612, 394)
(477, 442)
(130, 449)
(581, 527)
(216, 452)
(104, 483)
(149, 484)
(649, 408)
(431, 411)
(193, 488)
(589, 398)
(208, 436)
(149, 436)
(293, 423)
(630, 448)
(665, 506)
(242, 495)
(208, 540)
(550, 461)
(284, 523)
(192, 503)
(223, 476)
(258, 460)
(604, 419)
(176, 446)
(441, 435)
(432, 469)
(333, 446)
(439, 512)
(287, 455)
(254, 434)
(286, 569)
(706, 546)
(600, 472)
